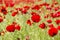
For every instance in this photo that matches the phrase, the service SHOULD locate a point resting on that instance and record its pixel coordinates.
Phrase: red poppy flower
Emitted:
(4, 11)
(26, 7)
(9, 3)
(58, 14)
(14, 13)
(50, 25)
(52, 31)
(1, 1)
(52, 5)
(45, 4)
(49, 21)
(10, 28)
(24, 11)
(19, 9)
(53, 15)
(56, 8)
(57, 21)
(17, 27)
(48, 8)
(41, 5)
(1, 19)
(33, 13)
(6, 5)
(36, 7)
(58, 27)
(29, 22)
(42, 25)
(46, 16)
(35, 18)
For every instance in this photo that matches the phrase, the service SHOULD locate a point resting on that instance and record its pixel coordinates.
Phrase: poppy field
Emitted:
(29, 19)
